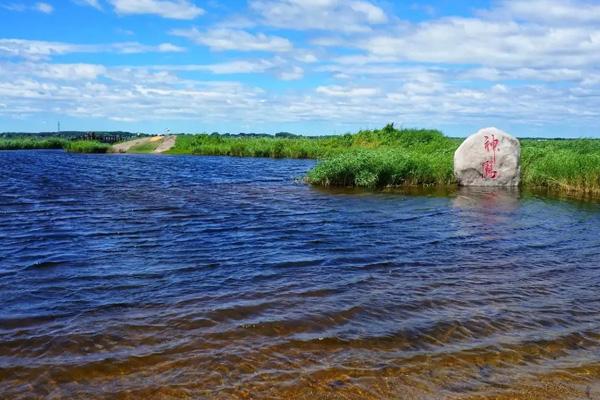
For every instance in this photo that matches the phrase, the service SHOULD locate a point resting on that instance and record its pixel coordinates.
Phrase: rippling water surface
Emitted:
(224, 278)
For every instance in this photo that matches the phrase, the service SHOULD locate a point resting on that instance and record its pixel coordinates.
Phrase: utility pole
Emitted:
(58, 126)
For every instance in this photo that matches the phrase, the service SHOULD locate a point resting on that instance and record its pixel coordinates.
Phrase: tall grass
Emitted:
(29, 143)
(390, 157)
(556, 165)
(87, 146)
(379, 158)
(400, 157)
(260, 146)
(561, 165)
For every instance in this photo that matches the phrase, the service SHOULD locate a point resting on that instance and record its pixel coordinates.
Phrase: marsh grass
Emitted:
(398, 159)
(381, 158)
(219, 145)
(29, 143)
(391, 157)
(571, 166)
(86, 146)
(144, 148)
(32, 143)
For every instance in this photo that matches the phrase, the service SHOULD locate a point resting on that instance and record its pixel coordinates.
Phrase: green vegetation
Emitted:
(375, 158)
(31, 143)
(407, 157)
(258, 146)
(571, 166)
(144, 148)
(390, 157)
(87, 146)
(28, 143)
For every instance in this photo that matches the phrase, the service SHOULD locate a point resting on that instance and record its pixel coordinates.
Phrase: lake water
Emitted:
(160, 277)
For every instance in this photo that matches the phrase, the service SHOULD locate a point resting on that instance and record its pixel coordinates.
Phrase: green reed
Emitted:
(407, 157)
(378, 158)
(29, 143)
(248, 146)
(561, 165)
(390, 157)
(86, 146)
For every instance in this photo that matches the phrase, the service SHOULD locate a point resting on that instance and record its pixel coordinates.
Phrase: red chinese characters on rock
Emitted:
(489, 167)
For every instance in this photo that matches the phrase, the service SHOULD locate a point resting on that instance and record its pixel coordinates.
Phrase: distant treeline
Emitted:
(278, 135)
(69, 134)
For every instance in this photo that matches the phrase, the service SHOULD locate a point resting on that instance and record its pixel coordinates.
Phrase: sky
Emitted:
(529, 67)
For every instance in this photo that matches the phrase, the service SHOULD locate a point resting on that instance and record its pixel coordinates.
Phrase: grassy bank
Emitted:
(390, 157)
(408, 157)
(87, 146)
(28, 143)
(571, 166)
(32, 143)
(297, 147)
(377, 158)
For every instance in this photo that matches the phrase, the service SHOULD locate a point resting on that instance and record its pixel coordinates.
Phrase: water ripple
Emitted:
(224, 278)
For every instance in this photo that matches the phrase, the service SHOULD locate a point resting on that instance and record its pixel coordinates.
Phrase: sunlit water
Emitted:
(215, 278)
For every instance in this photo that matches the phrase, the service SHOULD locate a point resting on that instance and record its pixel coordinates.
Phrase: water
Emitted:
(223, 278)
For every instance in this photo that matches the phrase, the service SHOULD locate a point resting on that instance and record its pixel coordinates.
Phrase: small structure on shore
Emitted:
(489, 157)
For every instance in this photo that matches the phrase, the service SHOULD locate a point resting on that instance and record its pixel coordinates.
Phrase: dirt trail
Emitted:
(166, 144)
(125, 146)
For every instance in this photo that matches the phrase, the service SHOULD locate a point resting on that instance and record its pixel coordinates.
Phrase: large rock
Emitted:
(489, 157)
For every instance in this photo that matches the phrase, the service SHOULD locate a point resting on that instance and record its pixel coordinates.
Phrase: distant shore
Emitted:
(375, 159)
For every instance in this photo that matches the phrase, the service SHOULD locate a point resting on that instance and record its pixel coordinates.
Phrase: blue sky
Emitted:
(529, 67)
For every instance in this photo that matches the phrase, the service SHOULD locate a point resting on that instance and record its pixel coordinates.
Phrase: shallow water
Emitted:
(203, 277)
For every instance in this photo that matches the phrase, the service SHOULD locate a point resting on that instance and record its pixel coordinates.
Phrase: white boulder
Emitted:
(489, 157)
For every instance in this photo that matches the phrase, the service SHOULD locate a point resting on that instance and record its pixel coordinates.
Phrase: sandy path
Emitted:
(125, 146)
(166, 144)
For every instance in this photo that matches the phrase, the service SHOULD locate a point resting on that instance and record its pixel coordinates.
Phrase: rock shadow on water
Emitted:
(487, 198)
(486, 212)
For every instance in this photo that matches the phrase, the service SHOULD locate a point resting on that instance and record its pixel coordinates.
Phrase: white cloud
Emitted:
(37, 49)
(305, 56)
(282, 68)
(17, 7)
(222, 39)
(135, 48)
(490, 43)
(60, 72)
(293, 74)
(330, 15)
(126, 94)
(44, 8)
(556, 12)
(515, 62)
(419, 97)
(372, 13)
(174, 9)
(34, 49)
(229, 67)
(91, 3)
(526, 74)
(347, 92)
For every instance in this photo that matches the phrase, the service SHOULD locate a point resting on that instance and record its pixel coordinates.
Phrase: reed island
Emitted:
(375, 159)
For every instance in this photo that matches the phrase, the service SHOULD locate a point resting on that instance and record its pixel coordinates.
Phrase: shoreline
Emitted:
(376, 160)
